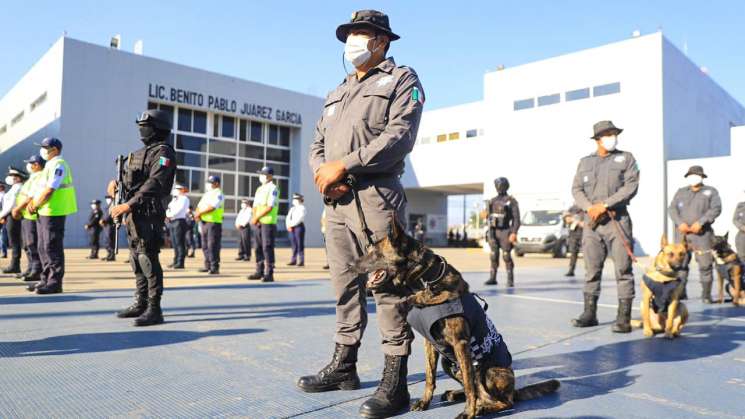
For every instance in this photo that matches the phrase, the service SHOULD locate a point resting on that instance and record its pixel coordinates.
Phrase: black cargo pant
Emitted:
(145, 237)
(178, 240)
(30, 245)
(94, 239)
(244, 245)
(15, 242)
(297, 241)
(110, 233)
(264, 235)
(574, 245)
(51, 237)
(211, 244)
(499, 238)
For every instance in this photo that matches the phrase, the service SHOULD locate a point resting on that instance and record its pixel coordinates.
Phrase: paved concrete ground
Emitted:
(231, 348)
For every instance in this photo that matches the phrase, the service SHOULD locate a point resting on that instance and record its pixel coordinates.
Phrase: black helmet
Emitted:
(160, 120)
(502, 184)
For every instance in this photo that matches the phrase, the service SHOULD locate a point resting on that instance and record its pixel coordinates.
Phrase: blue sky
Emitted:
(451, 44)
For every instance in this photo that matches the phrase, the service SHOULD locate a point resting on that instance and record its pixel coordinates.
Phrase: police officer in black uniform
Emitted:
(93, 227)
(574, 224)
(148, 178)
(504, 221)
(109, 230)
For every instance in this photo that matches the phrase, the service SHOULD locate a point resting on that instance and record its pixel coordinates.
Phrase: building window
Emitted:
(523, 104)
(453, 136)
(200, 122)
(549, 99)
(472, 133)
(577, 94)
(256, 132)
(16, 119)
(39, 100)
(191, 143)
(242, 130)
(284, 136)
(442, 138)
(184, 119)
(228, 127)
(606, 89)
(273, 136)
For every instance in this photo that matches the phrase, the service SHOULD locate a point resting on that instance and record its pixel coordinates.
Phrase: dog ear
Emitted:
(726, 236)
(663, 241)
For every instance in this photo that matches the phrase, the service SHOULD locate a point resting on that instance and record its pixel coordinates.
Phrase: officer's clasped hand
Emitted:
(328, 174)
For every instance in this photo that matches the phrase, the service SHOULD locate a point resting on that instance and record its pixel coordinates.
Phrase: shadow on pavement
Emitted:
(598, 371)
(107, 342)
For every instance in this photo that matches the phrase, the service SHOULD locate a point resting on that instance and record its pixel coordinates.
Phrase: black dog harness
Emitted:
(486, 343)
(662, 292)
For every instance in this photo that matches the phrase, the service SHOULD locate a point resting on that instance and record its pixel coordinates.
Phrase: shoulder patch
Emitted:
(58, 171)
(165, 161)
(416, 95)
(707, 192)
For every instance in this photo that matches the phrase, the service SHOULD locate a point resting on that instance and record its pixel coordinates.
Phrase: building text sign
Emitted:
(216, 103)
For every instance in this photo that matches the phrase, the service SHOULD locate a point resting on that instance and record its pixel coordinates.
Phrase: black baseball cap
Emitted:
(50, 142)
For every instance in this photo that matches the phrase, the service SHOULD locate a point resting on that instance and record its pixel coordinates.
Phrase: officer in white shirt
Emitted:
(176, 215)
(15, 178)
(295, 222)
(243, 225)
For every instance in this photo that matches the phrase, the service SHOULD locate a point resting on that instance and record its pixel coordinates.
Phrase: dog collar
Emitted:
(429, 284)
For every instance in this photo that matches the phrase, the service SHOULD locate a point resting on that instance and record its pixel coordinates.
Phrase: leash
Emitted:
(624, 239)
(351, 181)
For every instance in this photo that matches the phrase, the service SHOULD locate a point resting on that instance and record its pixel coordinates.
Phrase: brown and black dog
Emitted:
(662, 310)
(401, 265)
(729, 271)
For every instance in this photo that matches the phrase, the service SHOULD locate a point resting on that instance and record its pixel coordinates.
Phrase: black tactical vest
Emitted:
(137, 171)
(662, 292)
(486, 343)
(500, 213)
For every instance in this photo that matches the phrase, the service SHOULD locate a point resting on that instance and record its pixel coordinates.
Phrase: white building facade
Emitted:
(89, 96)
(532, 126)
(535, 121)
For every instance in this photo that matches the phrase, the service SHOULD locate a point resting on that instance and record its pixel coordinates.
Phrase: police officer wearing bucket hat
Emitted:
(368, 126)
(605, 183)
(694, 209)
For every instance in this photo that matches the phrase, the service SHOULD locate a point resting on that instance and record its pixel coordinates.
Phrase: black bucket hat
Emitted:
(696, 170)
(371, 19)
(604, 127)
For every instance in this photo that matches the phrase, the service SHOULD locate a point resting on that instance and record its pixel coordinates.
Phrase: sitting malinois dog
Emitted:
(452, 322)
(729, 267)
(661, 289)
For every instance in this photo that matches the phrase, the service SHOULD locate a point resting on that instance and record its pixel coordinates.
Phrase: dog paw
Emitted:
(648, 333)
(452, 396)
(465, 415)
(420, 406)
(669, 335)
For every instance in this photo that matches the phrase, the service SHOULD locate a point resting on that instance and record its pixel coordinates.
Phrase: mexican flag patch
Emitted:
(165, 162)
(416, 95)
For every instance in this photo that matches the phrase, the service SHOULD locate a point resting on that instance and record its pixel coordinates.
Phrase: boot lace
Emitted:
(335, 361)
(390, 375)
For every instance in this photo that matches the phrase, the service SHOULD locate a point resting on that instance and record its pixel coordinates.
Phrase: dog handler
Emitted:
(368, 126)
(739, 221)
(605, 183)
(693, 210)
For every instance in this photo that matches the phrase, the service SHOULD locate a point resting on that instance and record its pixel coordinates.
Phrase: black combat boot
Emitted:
(392, 396)
(510, 279)
(589, 315)
(268, 273)
(570, 272)
(623, 318)
(15, 268)
(339, 374)
(32, 277)
(152, 315)
(139, 305)
(492, 277)
(706, 292)
(259, 272)
(23, 274)
(215, 269)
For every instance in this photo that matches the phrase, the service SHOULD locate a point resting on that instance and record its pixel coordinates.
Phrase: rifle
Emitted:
(119, 198)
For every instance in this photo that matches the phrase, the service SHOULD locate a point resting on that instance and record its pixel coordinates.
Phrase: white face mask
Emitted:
(29, 167)
(44, 153)
(609, 143)
(109, 201)
(93, 206)
(355, 49)
(175, 193)
(244, 206)
(295, 202)
(10, 180)
(694, 180)
(262, 179)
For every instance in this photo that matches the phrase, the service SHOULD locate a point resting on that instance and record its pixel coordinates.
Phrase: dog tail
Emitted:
(536, 390)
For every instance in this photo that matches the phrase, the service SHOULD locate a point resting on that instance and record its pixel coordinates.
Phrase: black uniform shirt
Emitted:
(506, 212)
(94, 218)
(149, 174)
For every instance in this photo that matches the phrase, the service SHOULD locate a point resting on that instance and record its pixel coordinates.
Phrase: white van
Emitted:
(542, 231)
